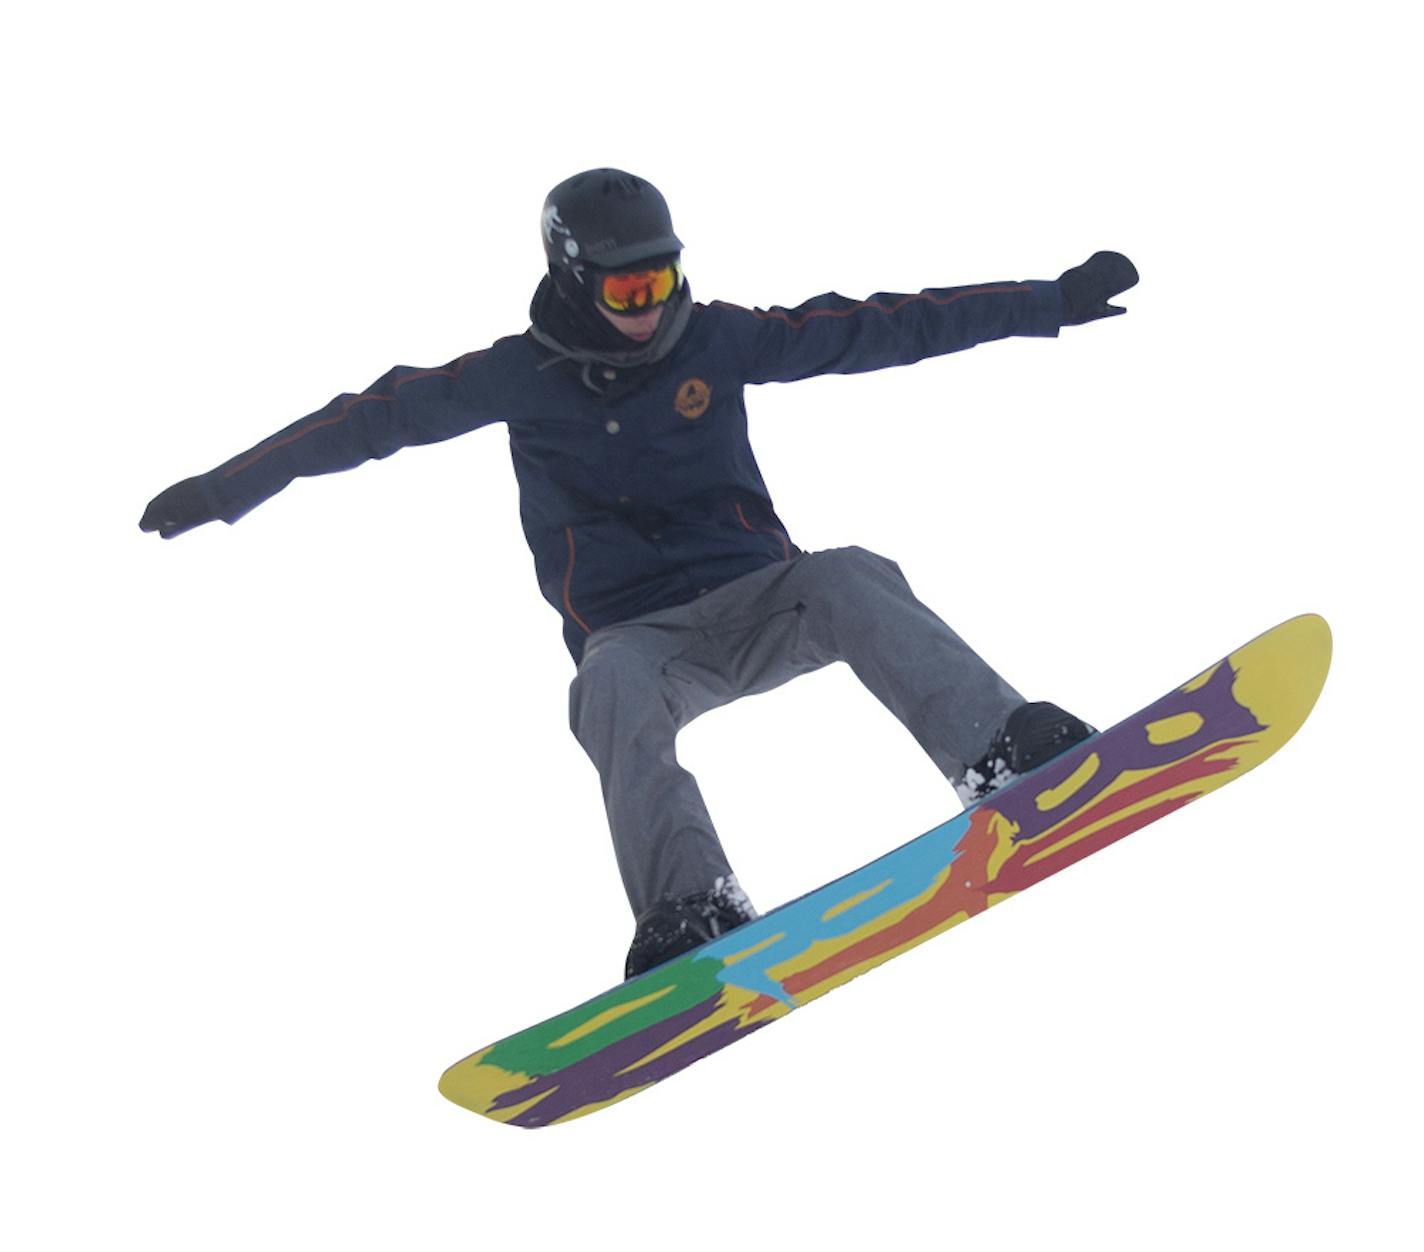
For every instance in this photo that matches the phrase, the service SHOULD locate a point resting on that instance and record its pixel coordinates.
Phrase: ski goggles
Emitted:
(637, 291)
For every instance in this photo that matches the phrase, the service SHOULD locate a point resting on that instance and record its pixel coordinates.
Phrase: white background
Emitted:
(293, 819)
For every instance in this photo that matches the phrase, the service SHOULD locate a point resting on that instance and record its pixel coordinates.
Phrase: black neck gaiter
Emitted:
(568, 324)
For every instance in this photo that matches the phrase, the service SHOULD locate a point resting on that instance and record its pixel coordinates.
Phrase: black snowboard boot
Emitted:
(1032, 735)
(672, 927)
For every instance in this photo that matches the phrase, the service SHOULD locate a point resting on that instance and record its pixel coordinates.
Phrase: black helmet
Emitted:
(606, 218)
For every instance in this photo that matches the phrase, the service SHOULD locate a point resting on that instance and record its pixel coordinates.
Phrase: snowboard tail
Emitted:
(1225, 721)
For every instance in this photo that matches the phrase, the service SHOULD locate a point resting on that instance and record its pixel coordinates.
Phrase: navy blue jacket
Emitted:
(648, 494)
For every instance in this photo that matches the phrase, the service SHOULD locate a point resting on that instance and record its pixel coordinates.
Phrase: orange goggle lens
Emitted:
(639, 290)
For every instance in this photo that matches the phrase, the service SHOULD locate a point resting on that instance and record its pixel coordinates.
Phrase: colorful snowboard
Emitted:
(1207, 732)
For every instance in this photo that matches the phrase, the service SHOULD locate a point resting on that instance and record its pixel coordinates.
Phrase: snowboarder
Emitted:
(654, 536)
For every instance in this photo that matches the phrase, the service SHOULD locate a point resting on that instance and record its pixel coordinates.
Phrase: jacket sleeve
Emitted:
(831, 334)
(403, 407)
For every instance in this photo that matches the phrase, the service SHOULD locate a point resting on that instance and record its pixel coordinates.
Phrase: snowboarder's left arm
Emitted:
(832, 334)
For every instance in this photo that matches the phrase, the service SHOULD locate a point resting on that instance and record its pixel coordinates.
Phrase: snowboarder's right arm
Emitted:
(404, 407)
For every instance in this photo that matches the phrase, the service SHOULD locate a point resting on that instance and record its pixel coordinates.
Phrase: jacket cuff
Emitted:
(1045, 311)
(224, 508)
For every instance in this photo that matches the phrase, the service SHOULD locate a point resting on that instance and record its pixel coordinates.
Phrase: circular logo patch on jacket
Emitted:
(693, 397)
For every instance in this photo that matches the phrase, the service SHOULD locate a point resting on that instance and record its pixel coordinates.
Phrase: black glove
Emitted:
(183, 506)
(1087, 287)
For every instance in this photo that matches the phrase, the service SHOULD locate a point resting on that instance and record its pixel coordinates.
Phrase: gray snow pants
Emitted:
(642, 681)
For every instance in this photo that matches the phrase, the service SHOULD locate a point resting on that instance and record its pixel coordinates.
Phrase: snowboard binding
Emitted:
(672, 927)
(1032, 736)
